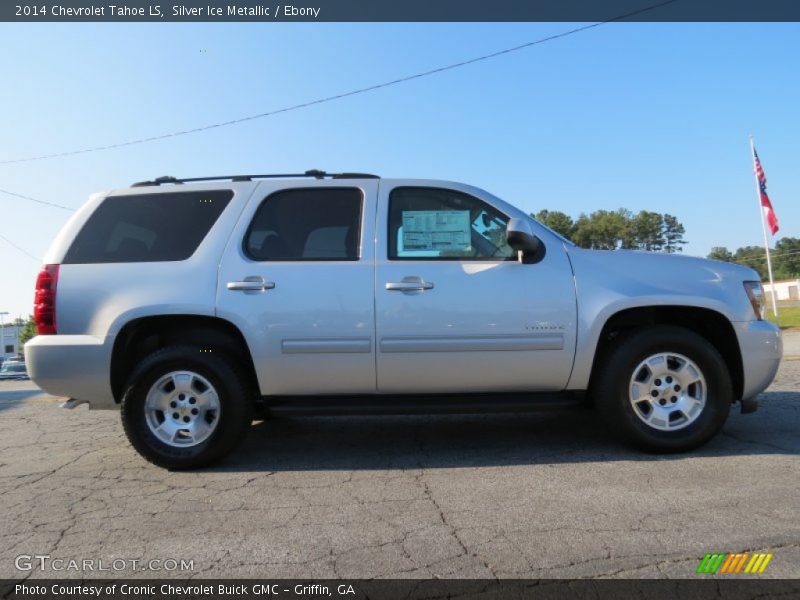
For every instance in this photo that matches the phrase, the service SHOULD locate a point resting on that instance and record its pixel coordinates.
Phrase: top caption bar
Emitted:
(403, 11)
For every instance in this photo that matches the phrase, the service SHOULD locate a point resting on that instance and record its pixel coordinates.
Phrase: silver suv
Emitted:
(191, 303)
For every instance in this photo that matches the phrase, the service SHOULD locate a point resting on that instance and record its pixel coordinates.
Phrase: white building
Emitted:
(788, 289)
(9, 341)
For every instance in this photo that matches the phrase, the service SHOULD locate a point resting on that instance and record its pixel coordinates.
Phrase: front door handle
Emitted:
(409, 284)
(251, 284)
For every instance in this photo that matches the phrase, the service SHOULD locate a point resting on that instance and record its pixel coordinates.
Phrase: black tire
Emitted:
(235, 399)
(612, 378)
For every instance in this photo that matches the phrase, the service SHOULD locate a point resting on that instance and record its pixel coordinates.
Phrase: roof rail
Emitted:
(316, 173)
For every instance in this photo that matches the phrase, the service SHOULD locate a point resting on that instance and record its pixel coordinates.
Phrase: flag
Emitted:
(766, 205)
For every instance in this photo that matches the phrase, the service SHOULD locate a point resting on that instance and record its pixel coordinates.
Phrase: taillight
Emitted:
(44, 300)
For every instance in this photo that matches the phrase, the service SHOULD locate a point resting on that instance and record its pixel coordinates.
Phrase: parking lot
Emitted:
(535, 495)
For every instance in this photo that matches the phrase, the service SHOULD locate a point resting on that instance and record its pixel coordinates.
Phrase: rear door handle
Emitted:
(251, 284)
(409, 284)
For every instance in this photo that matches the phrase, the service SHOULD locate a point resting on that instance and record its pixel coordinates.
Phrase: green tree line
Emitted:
(785, 258)
(608, 230)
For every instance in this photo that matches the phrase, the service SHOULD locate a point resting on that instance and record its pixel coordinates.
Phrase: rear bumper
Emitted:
(74, 366)
(762, 350)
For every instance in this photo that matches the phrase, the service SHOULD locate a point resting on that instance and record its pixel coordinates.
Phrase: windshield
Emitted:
(13, 368)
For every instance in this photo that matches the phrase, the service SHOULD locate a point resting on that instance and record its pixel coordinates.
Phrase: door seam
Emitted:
(375, 280)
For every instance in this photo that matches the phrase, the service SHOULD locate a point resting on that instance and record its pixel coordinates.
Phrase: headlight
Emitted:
(756, 294)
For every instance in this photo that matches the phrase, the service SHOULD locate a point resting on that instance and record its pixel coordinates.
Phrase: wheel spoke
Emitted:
(690, 375)
(167, 430)
(207, 400)
(182, 382)
(689, 406)
(658, 417)
(657, 364)
(159, 401)
(200, 428)
(640, 393)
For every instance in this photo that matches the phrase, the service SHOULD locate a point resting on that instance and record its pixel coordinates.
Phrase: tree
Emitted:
(787, 258)
(753, 257)
(673, 234)
(28, 331)
(608, 230)
(721, 253)
(556, 220)
(647, 231)
(604, 230)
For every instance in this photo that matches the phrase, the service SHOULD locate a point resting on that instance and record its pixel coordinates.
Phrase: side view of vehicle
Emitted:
(191, 303)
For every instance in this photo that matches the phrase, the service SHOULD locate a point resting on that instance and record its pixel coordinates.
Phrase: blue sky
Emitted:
(643, 116)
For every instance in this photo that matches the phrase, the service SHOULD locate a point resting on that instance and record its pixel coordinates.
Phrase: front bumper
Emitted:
(74, 366)
(762, 349)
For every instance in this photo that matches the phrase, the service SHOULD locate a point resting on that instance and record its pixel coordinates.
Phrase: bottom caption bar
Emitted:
(399, 589)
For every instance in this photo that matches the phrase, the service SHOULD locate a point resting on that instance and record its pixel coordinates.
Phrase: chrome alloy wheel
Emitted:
(667, 391)
(182, 409)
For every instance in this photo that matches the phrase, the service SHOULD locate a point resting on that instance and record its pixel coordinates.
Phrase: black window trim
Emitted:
(438, 258)
(246, 250)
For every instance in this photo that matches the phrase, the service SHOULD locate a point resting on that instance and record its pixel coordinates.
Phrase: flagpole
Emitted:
(763, 228)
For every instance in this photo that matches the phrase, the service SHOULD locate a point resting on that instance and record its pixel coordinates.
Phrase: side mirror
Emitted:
(521, 238)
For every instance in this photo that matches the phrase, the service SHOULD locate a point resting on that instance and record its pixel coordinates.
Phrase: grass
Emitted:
(788, 317)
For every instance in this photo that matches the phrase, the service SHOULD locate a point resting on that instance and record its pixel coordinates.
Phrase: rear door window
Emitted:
(147, 227)
(306, 224)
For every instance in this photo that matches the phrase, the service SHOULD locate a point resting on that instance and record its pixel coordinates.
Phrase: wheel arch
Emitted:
(142, 336)
(708, 323)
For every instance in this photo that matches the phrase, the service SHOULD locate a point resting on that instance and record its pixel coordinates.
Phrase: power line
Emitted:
(760, 259)
(355, 92)
(25, 252)
(36, 200)
(44, 202)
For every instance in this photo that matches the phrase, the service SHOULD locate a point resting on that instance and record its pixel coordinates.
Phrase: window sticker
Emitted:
(435, 231)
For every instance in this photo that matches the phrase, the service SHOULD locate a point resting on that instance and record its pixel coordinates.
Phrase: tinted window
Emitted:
(306, 224)
(147, 227)
(442, 224)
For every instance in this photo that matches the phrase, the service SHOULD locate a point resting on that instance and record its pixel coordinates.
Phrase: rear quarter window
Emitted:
(147, 227)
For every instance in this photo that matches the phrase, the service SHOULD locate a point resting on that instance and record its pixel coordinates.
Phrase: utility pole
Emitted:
(3, 334)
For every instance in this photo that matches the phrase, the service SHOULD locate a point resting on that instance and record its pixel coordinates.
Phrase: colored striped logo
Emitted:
(727, 563)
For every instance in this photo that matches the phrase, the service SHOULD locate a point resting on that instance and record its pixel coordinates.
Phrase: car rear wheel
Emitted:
(184, 408)
(663, 388)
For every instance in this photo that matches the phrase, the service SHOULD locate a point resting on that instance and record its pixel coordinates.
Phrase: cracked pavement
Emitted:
(542, 495)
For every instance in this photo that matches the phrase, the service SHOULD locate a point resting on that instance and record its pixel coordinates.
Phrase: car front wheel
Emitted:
(663, 388)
